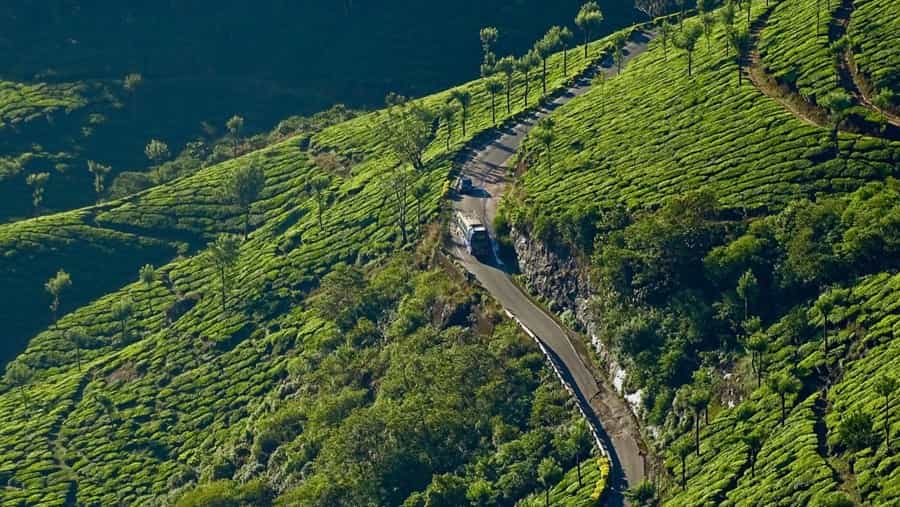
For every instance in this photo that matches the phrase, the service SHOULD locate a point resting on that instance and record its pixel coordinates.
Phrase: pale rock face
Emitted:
(553, 274)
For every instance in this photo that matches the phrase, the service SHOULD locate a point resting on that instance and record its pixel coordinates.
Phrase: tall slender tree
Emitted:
(708, 20)
(728, 13)
(464, 99)
(582, 443)
(783, 384)
(753, 439)
(565, 39)
(37, 182)
(687, 41)
(545, 47)
(243, 187)
(131, 84)
(618, 51)
(698, 400)
(408, 132)
(99, 172)
(493, 86)
(223, 255)
(235, 126)
(588, 20)
(507, 66)
(78, 339)
(447, 112)
(746, 290)
(317, 187)
(886, 386)
(55, 286)
(18, 374)
(488, 36)
(726, 17)
(122, 310)
(549, 473)
(758, 344)
(525, 65)
(157, 152)
(396, 186)
(740, 41)
(856, 432)
(683, 448)
(665, 37)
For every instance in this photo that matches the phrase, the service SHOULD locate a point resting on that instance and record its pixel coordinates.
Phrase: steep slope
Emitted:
(697, 229)
(202, 62)
(186, 373)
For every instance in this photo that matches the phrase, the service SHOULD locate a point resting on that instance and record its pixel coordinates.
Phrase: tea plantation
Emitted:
(871, 28)
(798, 53)
(308, 342)
(140, 391)
(720, 233)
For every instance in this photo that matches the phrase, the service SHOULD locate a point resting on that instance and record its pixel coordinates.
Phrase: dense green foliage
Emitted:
(795, 46)
(730, 250)
(144, 388)
(873, 30)
(303, 341)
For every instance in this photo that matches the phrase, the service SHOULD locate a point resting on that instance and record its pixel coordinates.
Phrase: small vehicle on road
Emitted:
(475, 235)
(464, 185)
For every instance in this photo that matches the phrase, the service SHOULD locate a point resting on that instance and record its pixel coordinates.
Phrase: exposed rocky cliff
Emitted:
(554, 274)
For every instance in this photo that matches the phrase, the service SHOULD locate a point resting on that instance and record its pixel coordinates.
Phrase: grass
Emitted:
(176, 393)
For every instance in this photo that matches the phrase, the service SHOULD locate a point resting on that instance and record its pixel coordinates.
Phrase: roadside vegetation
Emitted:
(733, 250)
(150, 378)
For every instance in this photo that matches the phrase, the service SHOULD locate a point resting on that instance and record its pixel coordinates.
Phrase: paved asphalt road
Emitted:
(611, 415)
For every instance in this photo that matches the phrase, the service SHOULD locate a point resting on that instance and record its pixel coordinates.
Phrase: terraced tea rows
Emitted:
(21, 103)
(793, 465)
(795, 46)
(188, 387)
(655, 131)
(873, 29)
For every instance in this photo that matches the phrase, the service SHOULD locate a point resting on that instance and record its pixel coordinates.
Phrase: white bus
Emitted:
(475, 235)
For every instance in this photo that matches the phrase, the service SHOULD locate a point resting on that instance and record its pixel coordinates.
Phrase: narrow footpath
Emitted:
(609, 414)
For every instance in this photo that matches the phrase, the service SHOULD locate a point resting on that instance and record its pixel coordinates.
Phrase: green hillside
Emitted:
(717, 228)
(177, 390)
(64, 99)
(871, 28)
(273, 318)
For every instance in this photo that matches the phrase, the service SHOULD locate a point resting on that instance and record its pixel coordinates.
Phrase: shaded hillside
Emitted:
(205, 61)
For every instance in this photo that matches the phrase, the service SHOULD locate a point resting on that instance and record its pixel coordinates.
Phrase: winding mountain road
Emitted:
(608, 413)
